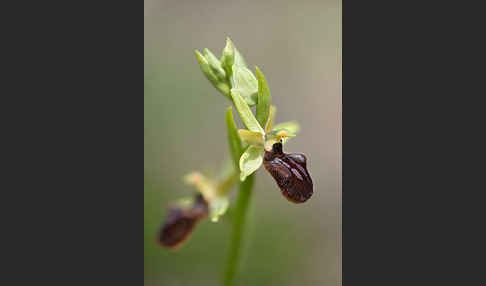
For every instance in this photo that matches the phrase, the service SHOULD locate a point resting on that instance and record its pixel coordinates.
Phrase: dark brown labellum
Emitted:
(290, 172)
(180, 223)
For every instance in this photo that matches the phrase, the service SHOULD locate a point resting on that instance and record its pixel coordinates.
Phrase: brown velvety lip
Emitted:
(289, 170)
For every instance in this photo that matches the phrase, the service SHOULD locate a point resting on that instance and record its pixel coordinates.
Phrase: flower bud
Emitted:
(180, 223)
(222, 86)
(215, 65)
(228, 57)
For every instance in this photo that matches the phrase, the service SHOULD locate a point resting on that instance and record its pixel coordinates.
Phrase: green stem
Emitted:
(242, 202)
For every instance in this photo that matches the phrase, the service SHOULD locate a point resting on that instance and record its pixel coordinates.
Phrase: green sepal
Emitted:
(250, 161)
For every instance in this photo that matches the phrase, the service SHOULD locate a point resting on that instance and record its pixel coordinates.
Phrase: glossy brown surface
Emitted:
(180, 223)
(290, 173)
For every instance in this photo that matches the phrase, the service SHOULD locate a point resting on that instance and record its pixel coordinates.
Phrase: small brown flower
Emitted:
(181, 222)
(290, 173)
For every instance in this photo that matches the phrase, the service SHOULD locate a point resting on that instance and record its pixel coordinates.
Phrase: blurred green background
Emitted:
(296, 45)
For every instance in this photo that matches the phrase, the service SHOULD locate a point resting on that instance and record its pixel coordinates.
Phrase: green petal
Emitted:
(250, 161)
(263, 104)
(234, 142)
(251, 137)
(245, 112)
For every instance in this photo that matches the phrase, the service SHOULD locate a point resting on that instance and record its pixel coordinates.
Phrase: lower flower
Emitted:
(180, 223)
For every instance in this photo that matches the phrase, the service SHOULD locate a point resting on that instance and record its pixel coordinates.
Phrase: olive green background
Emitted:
(297, 46)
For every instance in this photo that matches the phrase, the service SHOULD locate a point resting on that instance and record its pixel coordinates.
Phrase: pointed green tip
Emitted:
(198, 55)
(201, 59)
(229, 41)
(206, 51)
(258, 73)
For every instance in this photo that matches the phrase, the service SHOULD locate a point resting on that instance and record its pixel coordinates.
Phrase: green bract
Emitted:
(263, 106)
(245, 112)
(245, 82)
(234, 142)
(239, 60)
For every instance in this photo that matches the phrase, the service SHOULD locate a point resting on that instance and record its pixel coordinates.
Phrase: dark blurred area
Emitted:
(296, 45)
